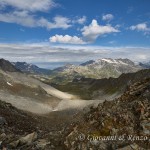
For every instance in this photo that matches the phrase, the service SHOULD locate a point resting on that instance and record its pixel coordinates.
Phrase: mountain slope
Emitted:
(7, 66)
(122, 124)
(27, 93)
(30, 68)
(88, 88)
(110, 125)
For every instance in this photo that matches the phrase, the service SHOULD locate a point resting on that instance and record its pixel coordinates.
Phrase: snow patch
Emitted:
(9, 84)
(122, 63)
(113, 61)
(110, 61)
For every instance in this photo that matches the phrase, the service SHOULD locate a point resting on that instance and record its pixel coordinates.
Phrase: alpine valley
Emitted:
(51, 109)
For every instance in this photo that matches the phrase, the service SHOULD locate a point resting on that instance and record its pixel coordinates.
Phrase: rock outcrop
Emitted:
(121, 124)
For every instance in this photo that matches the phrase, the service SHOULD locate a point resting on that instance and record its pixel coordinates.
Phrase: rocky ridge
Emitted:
(126, 119)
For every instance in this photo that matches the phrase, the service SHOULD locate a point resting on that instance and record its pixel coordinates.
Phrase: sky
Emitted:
(51, 33)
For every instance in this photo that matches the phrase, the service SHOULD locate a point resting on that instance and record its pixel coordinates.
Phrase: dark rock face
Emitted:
(7, 66)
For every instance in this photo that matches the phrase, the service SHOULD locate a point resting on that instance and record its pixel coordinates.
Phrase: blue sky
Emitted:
(46, 32)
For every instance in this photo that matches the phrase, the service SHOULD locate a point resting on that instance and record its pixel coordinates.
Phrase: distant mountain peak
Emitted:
(122, 61)
(30, 68)
(145, 65)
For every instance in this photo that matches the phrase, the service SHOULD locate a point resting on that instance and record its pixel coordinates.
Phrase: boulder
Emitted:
(42, 143)
(3, 136)
(28, 139)
(14, 144)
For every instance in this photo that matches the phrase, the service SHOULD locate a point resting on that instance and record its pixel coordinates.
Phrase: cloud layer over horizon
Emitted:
(53, 56)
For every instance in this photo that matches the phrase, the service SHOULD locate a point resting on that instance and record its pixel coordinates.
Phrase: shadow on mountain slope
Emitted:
(111, 88)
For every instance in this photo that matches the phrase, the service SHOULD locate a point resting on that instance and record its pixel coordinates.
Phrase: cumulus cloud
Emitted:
(89, 34)
(107, 17)
(140, 27)
(29, 5)
(66, 39)
(94, 30)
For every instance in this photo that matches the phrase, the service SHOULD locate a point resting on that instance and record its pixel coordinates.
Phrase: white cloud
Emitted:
(24, 13)
(94, 30)
(29, 5)
(19, 17)
(66, 39)
(81, 20)
(107, 17)
(58, 22)
(140, 27)
(89, 33)
(24, 18)
(61, 22)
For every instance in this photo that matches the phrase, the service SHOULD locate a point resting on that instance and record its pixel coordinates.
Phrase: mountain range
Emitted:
(97, 69)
